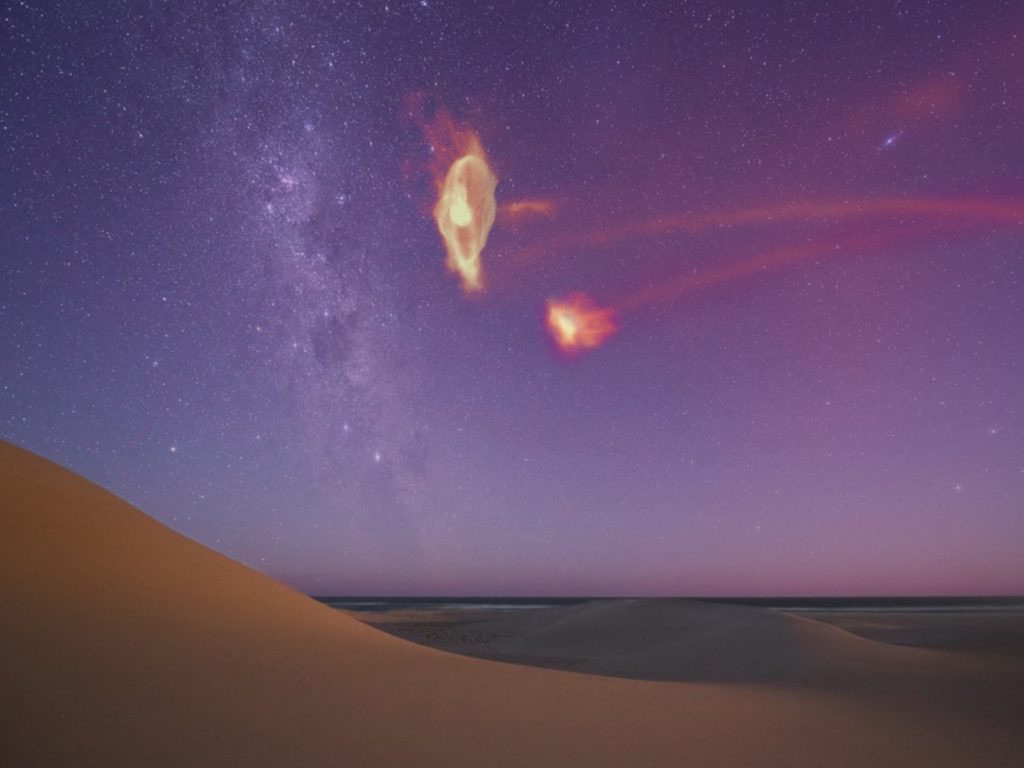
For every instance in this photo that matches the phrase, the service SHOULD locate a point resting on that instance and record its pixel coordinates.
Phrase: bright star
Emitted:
(891, 140)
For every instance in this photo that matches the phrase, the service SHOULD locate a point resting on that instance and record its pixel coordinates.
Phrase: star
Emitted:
(891, 139)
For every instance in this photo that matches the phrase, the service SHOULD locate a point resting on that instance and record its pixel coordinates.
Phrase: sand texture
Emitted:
(123, 643)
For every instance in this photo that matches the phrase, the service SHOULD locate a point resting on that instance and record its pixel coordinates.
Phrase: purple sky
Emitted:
(222, 295)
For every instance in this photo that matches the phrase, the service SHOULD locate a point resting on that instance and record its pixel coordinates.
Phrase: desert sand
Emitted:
(125, 644)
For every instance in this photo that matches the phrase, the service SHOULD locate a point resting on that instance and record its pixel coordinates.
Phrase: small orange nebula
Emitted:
(577, 323)
(465, 213)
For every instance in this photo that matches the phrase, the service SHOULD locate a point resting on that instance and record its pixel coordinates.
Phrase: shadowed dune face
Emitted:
(125, 644)
(693, 641)
(650, 639)
(686, 640)
(995, 634)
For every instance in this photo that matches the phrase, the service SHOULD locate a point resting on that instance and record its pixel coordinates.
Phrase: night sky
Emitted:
(223, 295)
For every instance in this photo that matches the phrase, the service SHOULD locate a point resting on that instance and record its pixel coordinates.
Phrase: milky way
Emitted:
(223, 293)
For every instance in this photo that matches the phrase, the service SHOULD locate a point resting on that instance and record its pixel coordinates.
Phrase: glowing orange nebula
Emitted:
(465, 207)
(570, 324)
(465, 213)
(576, 322)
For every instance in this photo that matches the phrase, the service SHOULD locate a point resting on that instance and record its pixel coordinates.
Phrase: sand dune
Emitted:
(688, 640)
(996, 633)
(693, 641)
(676, 640)
(125, 644)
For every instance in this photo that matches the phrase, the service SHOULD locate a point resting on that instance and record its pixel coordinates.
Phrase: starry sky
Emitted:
(223, 294)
